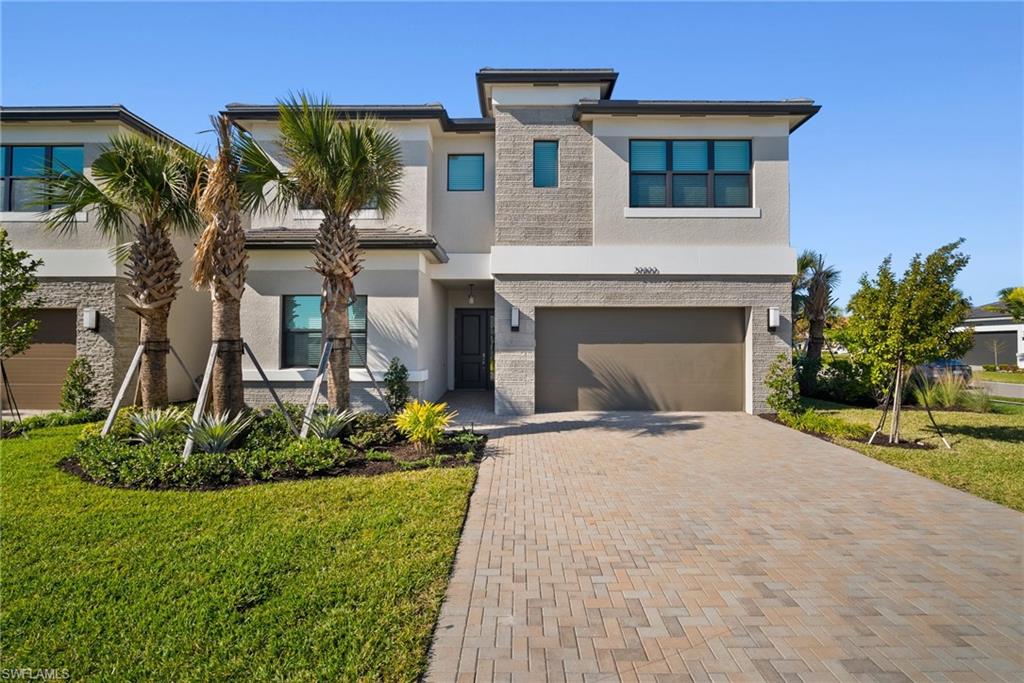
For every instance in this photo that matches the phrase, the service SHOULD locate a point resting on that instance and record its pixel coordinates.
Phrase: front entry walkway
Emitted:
(630, 546)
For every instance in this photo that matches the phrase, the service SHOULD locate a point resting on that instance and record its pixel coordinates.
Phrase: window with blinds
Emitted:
(465, 172)
(689, 173)
(545, 163)
(302, 334)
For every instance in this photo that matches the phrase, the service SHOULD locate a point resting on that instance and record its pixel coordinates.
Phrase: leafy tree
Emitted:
(143, 191)
(337, 167)
(896, 324)
(220, 264)
(18, 285)
(1011, 300)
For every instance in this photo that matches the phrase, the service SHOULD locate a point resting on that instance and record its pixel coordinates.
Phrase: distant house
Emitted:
(996, 334)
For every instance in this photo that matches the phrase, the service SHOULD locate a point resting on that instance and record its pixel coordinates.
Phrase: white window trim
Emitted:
(35, 216)
(701, 212)
(317, 215)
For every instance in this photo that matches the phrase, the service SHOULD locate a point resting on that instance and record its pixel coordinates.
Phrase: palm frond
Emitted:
(263, 187)
(71, 193)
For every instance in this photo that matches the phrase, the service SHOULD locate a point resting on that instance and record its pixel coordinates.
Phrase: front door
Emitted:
(472, 348)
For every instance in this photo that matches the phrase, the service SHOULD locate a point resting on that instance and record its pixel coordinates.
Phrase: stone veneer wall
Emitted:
(110, 348)
(525, 214)
(514, 351)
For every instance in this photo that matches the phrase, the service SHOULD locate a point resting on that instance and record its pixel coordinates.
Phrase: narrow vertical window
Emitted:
(545, 163)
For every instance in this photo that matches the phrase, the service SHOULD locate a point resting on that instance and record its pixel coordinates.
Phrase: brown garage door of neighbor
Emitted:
(639, 359)
(37, 374)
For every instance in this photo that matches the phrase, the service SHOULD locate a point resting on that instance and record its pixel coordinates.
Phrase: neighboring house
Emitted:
(79, 276)
(568, 250)
(996, 335)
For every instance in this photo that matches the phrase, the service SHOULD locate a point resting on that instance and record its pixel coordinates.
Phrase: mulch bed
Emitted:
(401, 452)
(881, 440)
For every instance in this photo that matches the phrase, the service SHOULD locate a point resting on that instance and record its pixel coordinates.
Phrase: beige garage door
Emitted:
(639, 359)
(36, 375)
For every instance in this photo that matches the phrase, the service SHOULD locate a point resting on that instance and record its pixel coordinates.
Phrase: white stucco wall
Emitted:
(770, 184)
(463, 222)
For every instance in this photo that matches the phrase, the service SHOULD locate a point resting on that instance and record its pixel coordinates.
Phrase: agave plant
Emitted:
(330, 424)
(153, 425)
(216, 433)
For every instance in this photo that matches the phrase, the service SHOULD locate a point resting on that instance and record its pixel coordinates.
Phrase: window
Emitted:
(545, 163)
(303, 337)
(689, 173)
(465, 172)
(22, 165)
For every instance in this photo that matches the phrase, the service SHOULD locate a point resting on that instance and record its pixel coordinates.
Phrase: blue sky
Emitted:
(919, 141)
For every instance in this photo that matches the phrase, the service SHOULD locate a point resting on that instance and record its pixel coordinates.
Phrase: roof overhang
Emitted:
(86, 114)
(797, 111)
(487, 78)
(304, 238)
(385, 112)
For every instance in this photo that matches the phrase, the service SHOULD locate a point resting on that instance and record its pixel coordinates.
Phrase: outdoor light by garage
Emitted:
(515, 319)
(90, 319)
(773, 318)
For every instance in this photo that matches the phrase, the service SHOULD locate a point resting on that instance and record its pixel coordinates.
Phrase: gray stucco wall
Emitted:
(514, 372)
(463, 222)
(525, 214)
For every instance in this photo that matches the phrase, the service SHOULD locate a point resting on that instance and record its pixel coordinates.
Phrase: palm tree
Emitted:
(818, 304)
(220, 264)
(337, 167)
(804, 263)
(141, 190)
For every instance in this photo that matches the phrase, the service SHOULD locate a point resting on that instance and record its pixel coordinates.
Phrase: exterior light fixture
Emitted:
(515, 319)
(471, 299)
(90, 319)
(773, 318)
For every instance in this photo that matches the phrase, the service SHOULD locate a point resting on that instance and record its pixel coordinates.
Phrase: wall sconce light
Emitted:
(515, 319)
(773, 318)
(471, 299)
(90, 319)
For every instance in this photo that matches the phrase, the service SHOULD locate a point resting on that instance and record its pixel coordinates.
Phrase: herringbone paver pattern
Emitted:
(722, 547)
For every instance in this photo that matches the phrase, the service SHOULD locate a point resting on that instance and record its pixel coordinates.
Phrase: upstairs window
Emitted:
(545, 163)
(689, 173)
(465, 172)
(21, 166)
(303, 340)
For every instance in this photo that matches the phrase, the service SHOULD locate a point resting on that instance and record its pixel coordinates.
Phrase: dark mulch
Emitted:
(880, 440)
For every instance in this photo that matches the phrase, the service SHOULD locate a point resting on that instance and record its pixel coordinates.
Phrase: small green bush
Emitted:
(811, 420)
(311, 456)
(10, 428)
(978, 401)
(372, 430)
(396, 385)
(423, 422)
(77, 392)
(989, 367)
(464, 440)
(845, 381)
(271, 431)
(783, 388)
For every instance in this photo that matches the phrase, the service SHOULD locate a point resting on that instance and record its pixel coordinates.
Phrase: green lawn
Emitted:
(1009, 377)
(988, 448)
(327, 579)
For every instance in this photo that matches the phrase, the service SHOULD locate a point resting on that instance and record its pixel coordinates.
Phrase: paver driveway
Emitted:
(724, 547)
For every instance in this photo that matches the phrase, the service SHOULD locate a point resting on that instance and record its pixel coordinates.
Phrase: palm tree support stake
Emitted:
(321, 369)
(132, 367)
(928, 408)
(885, 411)
(10, 394)
(270, 388)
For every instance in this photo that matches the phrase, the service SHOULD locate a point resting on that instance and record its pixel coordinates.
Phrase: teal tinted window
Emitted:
(3, 161)
(647, 190)
(732, 155)
(545, 163)
(465, 172)
(67, 159)
(690, 190)
(28, 161)
(303, 332)
(648, 155)
(689, 155)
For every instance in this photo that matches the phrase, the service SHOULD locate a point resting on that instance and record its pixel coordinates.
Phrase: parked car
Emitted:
(934, 370)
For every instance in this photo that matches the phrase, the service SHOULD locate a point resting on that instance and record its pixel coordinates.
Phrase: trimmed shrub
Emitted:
(844, 381)
(77, 392)
(396, 385)
(373, 430)
(10, 428)
(783, 388)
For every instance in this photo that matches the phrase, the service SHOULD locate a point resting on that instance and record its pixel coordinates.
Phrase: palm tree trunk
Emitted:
(152, 270)
(227, 393)
(337, 257)
(815, 338)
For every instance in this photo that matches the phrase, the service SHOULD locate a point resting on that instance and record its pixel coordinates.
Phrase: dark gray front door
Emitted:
(472, 348)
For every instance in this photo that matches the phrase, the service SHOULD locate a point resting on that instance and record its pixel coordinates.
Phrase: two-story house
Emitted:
(569, 250)
(82, 287)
